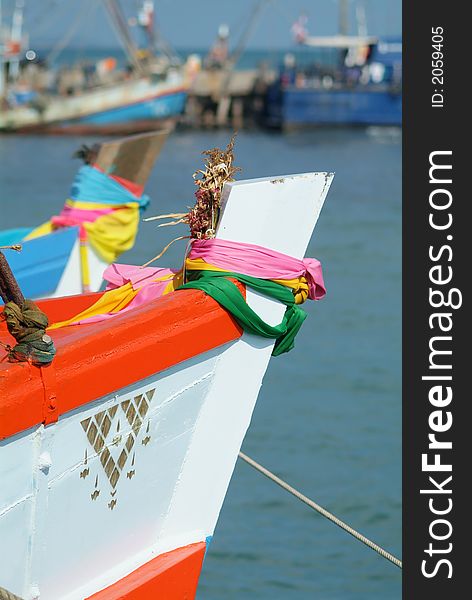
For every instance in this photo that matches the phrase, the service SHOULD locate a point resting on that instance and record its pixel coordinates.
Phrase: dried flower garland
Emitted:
(203, 217)
(219, 169)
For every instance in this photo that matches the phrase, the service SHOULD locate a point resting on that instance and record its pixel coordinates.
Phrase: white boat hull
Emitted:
(118, 479)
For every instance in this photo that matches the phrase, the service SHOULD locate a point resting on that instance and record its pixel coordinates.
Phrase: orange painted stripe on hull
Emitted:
(61, 309)
(95, 360)
(171, 576)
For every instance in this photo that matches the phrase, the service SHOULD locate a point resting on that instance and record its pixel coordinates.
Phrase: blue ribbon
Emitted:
(91, 185)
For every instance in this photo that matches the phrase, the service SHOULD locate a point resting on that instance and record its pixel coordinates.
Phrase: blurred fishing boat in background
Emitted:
(359, 81)
(68, 254)
(116, 458)
(89, 99)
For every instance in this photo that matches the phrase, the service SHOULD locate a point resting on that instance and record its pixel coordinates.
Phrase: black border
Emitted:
(426, 129)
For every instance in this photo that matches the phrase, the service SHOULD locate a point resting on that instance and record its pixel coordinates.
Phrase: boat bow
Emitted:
(116, 459)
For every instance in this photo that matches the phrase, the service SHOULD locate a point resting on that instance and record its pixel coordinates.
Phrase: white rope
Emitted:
(322, 511)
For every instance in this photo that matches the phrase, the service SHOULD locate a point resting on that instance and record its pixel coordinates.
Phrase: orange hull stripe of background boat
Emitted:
(171, 576)
(96, 360)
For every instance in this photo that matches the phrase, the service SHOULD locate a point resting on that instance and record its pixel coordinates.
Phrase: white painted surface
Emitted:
(275, 212)
(70, 282)
(97, 266)
(61, 540)
(16, 508)
(56, 534)
(282, 214)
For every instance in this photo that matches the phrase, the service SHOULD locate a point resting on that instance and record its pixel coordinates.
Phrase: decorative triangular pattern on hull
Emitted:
(113, 448)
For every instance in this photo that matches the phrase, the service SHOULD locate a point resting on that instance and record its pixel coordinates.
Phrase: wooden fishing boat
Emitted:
(150, 94)
(116, 458)
(352, 80)
(67, 257)
(143, 103)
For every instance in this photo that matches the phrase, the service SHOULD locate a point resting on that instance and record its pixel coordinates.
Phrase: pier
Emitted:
(223, 98)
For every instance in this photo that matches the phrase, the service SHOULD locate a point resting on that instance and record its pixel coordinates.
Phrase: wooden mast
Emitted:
(119, 24)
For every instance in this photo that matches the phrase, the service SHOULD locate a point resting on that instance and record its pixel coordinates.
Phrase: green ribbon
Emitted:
(217, 285)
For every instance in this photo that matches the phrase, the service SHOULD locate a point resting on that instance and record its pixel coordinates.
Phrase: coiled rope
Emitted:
(322, 511)
(25, 322)
(6, 595)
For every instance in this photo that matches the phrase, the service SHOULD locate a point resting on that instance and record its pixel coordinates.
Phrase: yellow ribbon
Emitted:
(113, 301)
(110, 235)
(299, 285)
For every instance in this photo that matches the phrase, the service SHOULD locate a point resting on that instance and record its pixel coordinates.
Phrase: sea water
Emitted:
(328, 418)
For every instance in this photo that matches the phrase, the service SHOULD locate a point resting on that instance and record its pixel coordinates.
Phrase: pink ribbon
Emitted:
(260, 262)
(140, 277)
(73, 216)
(248, 259)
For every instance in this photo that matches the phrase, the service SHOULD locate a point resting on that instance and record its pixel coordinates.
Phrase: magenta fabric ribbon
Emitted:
(260, 262)
(117, 275)
(247, 259)
(73, 216)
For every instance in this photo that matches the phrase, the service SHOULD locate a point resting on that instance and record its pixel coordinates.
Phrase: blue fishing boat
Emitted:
(100, 98)
(68, 254)
(43, 261)
(351, 80)
(140, 104)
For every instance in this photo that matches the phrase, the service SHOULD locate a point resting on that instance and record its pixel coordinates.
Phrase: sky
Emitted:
(193, 23)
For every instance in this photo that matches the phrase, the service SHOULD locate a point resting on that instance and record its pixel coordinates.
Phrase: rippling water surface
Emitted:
(328, 416)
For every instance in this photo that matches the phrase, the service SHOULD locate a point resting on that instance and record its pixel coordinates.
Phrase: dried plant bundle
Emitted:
(202, 219)
(219, 169)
